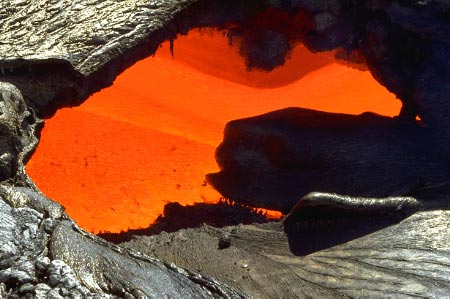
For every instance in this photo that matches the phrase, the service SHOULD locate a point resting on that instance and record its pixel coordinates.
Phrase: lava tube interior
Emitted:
(116, 160)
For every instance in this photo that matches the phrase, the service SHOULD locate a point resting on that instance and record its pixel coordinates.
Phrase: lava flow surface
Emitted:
(149, 139)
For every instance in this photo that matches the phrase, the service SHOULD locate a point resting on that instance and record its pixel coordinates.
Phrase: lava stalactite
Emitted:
(149, 139)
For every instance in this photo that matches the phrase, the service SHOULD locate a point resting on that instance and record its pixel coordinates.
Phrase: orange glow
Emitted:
(117, 159)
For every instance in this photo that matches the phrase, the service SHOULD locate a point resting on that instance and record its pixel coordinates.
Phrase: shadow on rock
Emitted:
(176, 217)
(309, 236)
(386, 167)
(322, 220)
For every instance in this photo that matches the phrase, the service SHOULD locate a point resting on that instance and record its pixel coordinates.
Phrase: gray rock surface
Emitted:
(27, 268)
(408, 259)
(49, 47)
(18, 129)
(85, 34)
(104, 267)
(56, 53)
(43, 254)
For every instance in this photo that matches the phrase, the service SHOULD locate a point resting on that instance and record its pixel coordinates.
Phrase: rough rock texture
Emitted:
(63, 50)
(58, 52)
(404, 260)
(51, 46)
(26, 268)
(84, 34)
(44, 254)
(18, 129)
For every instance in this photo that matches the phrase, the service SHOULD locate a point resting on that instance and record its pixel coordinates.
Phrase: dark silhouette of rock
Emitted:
(273, 160)
(176, 217)
(57, 53)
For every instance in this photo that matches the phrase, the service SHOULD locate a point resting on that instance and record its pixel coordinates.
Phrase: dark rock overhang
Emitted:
(57, 53)
(76, 49)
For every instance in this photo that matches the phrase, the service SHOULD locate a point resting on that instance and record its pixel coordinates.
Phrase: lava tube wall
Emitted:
(116, 160)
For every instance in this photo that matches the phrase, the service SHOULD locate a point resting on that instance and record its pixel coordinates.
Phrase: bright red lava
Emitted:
(149, 139)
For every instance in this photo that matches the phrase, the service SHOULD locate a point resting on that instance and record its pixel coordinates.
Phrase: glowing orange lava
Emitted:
(117, 159)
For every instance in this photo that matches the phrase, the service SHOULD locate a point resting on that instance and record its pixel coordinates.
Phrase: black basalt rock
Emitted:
(273, 160)
(57, 53)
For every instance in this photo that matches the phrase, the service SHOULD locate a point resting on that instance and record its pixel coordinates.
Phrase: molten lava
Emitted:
(149, 139)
